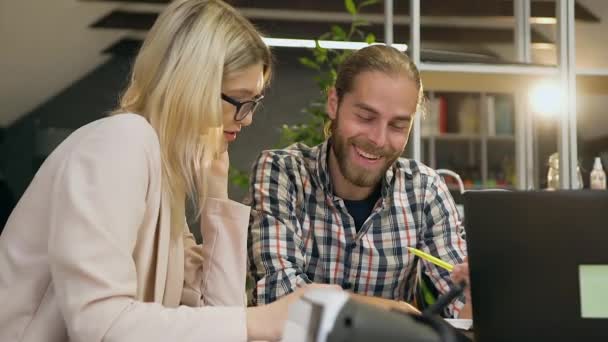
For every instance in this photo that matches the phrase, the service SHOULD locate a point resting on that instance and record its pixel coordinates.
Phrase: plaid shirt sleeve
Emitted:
(275, 237)
(441, 237)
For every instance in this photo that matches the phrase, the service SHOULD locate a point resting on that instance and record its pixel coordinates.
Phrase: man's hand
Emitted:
(461, 273)
(217, 177)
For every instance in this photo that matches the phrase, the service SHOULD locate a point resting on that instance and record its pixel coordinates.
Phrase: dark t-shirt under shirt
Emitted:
(361, 209)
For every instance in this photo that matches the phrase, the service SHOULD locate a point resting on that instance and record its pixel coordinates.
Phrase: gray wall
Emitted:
(27, 141)
(82, 102)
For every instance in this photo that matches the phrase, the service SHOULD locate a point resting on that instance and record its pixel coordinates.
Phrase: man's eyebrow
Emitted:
(367, 108)
(402, 117)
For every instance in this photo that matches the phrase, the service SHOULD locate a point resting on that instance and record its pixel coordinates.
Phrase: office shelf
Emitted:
(472, 134)
(466, 137)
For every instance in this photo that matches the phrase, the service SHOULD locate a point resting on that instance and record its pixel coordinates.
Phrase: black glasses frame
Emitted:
(238, 115)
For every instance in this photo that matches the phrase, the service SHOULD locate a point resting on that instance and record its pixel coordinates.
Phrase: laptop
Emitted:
(538, 263)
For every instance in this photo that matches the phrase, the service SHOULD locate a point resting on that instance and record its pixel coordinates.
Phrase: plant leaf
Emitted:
(350, 6)
(360, 22)
(367, 3)
(238, 178)
(325, 36)
(338, 32)
(317, 46)
(309, 63)
(370, 38)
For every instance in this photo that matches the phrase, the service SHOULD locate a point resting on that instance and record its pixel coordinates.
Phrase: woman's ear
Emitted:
(332, 103)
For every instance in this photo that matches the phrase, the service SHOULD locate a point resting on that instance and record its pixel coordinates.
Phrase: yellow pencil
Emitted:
(431, 258)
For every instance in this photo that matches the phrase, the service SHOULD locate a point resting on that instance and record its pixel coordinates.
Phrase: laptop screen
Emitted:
(539, 265)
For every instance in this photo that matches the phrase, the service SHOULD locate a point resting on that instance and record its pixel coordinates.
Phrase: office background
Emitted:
(64, 63)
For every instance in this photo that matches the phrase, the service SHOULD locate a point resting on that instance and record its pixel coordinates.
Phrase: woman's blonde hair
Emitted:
(176, 85)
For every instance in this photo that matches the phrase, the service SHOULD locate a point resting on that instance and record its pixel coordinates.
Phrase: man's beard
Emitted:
(355, 174)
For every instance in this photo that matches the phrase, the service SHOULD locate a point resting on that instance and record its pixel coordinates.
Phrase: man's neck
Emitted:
(341, 186)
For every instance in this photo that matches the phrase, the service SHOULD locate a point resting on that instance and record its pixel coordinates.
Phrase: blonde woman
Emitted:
(97, 248)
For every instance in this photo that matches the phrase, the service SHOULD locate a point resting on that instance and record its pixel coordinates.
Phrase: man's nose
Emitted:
(377, 135)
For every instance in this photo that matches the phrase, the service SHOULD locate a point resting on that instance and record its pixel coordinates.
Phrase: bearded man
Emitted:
(344, 212)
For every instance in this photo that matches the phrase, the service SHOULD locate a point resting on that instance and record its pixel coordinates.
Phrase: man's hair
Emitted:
(379, 58)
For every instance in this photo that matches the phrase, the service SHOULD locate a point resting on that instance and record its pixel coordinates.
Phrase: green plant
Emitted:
(325, 62)
(238, 177)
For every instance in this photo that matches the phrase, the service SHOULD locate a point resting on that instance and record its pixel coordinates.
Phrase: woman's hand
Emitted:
(268, 321)
(217, 177)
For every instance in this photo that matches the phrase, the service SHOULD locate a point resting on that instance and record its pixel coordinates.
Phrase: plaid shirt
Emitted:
(300, 232)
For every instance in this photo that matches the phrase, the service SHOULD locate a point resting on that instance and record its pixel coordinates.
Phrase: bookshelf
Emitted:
(564, 72)
(472, 134)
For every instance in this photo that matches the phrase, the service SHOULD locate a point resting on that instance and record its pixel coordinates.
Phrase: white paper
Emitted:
(460, 323)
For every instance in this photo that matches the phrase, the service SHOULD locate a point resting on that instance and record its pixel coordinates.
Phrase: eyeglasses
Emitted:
(243, 108)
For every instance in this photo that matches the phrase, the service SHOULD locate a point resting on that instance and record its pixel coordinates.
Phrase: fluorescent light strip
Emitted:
(328, 44)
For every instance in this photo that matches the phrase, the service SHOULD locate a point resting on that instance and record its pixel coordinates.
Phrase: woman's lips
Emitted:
(230, 135)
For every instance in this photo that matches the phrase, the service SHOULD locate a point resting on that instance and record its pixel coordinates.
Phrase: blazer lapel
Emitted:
(162, 257)
(175, 270)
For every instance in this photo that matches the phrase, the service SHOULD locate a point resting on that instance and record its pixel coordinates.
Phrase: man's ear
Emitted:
(332, 103)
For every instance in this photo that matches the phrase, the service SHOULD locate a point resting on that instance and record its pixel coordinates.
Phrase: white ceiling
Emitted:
(38, 61)
(45, 46)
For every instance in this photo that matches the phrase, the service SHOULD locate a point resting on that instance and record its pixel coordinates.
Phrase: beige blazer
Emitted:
(87, 254)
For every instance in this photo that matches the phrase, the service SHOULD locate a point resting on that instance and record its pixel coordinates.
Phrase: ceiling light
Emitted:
(546, 98)
(327, 44)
